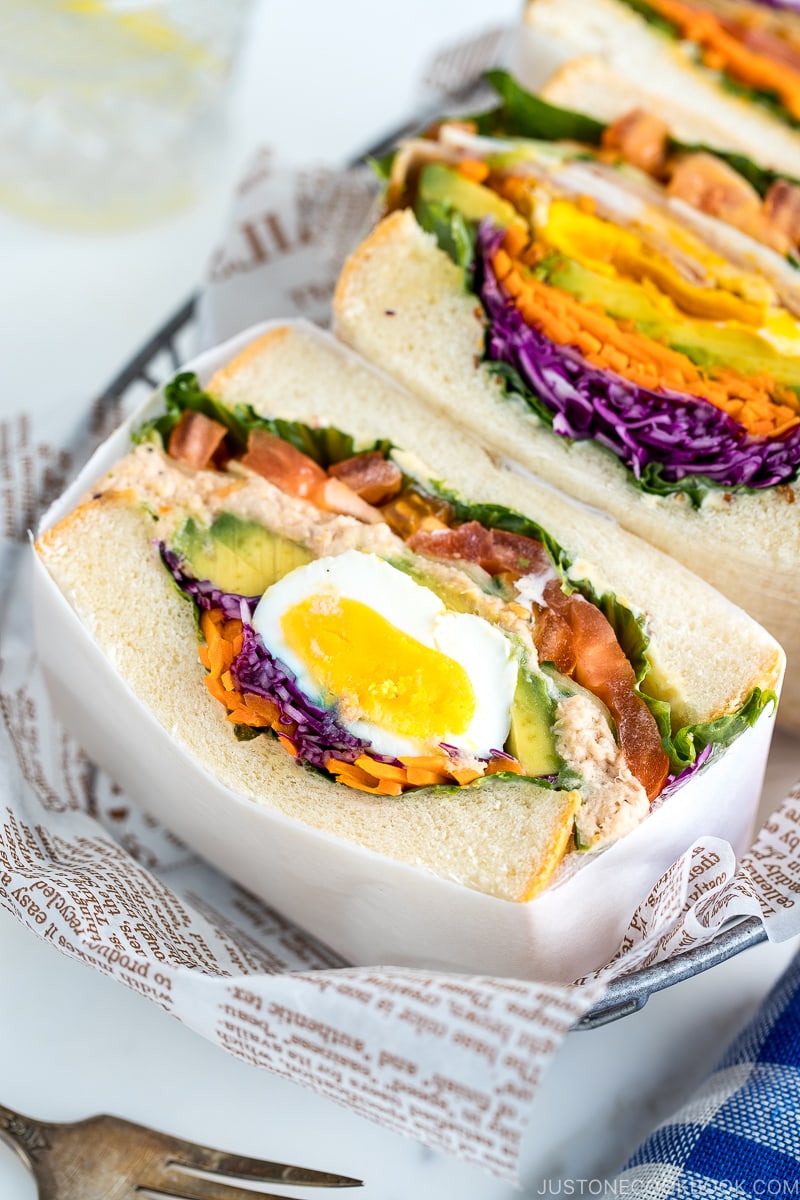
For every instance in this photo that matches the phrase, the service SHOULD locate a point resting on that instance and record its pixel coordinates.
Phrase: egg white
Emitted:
(485, 653)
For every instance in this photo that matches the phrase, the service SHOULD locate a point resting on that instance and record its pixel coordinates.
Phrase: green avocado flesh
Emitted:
(530, 739)
(450, 594)
(440, 184)
(707, 343)
(237, 555)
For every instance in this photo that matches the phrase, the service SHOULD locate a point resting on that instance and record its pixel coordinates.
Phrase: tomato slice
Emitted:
(498, 552)
(282, 464)
(554, 642)
(602, 668)
(469, 543)
(371, 476)
(513, 554)
(195, 439)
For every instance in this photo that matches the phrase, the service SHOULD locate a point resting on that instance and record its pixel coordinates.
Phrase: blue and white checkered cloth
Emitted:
(739, 1135)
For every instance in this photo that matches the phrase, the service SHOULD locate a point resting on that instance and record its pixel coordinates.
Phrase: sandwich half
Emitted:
(346, 612)
(725, 72)
(604, 330)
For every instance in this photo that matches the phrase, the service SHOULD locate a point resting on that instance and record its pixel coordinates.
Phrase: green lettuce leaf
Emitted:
(566, 781)
(381, 167)
(514, 386)
(324, 444)
(522, 114)
(454, 234)
(689, 741)
(684, 744)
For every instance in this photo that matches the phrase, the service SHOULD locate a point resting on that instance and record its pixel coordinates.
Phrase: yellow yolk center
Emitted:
(378, 673)
(610, 250)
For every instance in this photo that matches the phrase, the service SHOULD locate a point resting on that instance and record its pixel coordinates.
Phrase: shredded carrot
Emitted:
(722, 50)
(465, 775)
(425, 762)
(363, 781)
(761, 406)
(473, 168)
(217, 690)
(253, 710)
(516, 241)
(384, 787)
(419, 778)
(381, 770)
(504, 764)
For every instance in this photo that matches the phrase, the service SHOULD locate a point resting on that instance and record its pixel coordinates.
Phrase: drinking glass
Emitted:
(112, 111)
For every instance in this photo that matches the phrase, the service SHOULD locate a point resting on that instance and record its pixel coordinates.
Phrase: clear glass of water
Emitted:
(112, 111)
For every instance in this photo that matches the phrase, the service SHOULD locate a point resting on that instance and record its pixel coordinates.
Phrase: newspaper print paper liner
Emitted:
(82, 868)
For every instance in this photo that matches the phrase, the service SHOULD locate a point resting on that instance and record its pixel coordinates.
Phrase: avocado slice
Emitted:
(706, 343)
(448, 592)
(238, 555)
(531, 735)
(441, 184)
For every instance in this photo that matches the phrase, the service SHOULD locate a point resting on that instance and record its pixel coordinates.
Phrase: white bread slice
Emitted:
(623, 63)
(102, 559)
(504, 839)
(747, 546)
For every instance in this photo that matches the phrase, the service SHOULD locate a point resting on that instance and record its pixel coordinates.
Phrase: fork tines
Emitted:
(212, 1175)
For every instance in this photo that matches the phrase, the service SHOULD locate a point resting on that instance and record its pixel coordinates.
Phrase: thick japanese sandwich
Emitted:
(572, 294)
(724, 72)
(345, 612)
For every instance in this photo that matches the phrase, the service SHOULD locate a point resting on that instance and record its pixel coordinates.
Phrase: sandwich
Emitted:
(575, 298)
(339, 606)
(724, 72)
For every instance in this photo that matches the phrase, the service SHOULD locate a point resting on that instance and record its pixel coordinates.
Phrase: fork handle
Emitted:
(26, 1136)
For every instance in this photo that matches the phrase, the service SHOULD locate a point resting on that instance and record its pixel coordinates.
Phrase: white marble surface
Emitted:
(318, 81)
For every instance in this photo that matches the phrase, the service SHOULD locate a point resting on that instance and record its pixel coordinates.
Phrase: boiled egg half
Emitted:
(403, 672)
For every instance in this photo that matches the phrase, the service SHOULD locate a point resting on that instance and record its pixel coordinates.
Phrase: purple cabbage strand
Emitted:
(683, 434)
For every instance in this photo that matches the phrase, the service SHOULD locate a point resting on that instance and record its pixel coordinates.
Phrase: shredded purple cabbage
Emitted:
(318, 736)
(676, 781)
(204, 593)
(685, 435)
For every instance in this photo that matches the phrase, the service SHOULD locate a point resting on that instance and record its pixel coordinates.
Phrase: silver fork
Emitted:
(105, 1158)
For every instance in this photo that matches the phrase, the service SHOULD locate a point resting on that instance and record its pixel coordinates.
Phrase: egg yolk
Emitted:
(376, 672)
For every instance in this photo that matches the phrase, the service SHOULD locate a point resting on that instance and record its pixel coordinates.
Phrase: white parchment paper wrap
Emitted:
(451, 1060)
